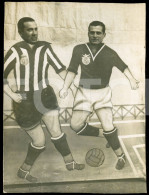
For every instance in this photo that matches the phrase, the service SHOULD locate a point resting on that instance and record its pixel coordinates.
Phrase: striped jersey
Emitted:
(30, 65)
(95, 69)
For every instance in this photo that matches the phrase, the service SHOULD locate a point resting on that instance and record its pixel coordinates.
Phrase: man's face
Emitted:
(96, 34)
(30, 32)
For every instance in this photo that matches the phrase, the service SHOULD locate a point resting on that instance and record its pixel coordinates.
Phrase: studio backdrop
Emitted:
(65, 25)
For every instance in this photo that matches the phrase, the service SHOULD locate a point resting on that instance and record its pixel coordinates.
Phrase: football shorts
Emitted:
(29, 112)
(89, 99)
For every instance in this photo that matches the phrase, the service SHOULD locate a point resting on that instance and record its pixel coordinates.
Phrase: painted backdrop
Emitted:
(65, 25)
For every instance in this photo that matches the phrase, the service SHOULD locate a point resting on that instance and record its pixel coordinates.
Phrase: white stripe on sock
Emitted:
(37, 147)
(24, 170)
(55, 138)
(82, 129)
(109, 132)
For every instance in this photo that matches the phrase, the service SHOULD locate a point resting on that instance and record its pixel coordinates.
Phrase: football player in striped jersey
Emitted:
(96, 60)
(34, 99)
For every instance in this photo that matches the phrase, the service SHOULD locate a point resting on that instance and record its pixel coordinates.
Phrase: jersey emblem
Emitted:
(86, 59)
(24, 60)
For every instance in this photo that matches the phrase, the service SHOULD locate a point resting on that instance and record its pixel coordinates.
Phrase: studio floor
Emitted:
(52, 174)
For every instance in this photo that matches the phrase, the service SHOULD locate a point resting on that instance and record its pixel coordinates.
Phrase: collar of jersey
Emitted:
(36, 45)
(93, 57)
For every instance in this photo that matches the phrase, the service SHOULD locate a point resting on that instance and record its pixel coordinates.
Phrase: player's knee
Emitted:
(50, 117)
(39, 142)
(107, 126)
(76, 125)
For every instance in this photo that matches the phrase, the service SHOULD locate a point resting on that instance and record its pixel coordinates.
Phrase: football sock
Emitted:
(107, 145)
(33, 153)
(88, 130)
(112, 138)
(61, 144)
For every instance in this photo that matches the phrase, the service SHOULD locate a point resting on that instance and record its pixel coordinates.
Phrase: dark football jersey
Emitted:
(95, 69)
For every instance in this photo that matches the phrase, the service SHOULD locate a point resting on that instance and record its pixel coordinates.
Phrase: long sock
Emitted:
(112, 138)
(62, 146)
(88, 130)
(33, 153)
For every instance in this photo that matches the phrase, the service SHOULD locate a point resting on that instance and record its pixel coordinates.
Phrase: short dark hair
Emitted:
(97, 23)
(21, 23)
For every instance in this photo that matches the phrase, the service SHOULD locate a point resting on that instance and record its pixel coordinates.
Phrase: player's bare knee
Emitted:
(107, 127)
(76, 125)
(55, 132)
(107, 124)
(39, 142)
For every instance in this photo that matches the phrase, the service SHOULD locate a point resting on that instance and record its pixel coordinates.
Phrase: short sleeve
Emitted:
(118, 62)
(74, 62)
(54, 61)
(9, 64)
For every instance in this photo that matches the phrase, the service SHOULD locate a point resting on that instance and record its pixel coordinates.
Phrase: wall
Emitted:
(65, 25)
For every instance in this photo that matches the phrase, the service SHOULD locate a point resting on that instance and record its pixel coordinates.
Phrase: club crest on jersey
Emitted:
(86, 59)
(24, 60)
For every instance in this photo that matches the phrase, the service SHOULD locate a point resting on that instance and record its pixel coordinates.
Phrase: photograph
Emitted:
(74, 117)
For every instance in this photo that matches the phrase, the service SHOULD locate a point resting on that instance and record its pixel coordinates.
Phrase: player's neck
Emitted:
(95, 47)
(30, 45)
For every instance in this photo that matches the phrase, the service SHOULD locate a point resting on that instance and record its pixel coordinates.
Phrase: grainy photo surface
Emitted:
(74, 97)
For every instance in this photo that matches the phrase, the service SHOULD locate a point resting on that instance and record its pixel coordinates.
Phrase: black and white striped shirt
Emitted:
(30, 65)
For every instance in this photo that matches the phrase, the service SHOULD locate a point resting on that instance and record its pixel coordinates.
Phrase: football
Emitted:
(95, 157)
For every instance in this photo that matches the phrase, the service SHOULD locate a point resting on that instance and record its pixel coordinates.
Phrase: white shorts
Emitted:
(92, 99)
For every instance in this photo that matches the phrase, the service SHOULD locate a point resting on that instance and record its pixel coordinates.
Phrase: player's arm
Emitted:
(9, 65)
(125, 69)
(67, 83)
(72, 71)
(63, 74)
(14, 96)
(55, 62)
(133, 82)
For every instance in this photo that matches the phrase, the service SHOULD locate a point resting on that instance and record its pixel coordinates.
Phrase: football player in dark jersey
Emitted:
(34, 99)
(96, 60)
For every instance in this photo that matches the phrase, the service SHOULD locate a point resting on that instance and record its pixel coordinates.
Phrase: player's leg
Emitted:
(110, 132)
(82, 108)
(35, 148)
(29, 118)
(79, 124)
(51, 120)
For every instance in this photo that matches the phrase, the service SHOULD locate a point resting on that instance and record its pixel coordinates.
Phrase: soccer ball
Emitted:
(95, 157)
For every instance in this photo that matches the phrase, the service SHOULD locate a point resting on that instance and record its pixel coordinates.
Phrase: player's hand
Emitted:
(17, 97)
(63, 93)
(134, 84)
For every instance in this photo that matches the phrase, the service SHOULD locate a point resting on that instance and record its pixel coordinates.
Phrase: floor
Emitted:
(51, 171)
